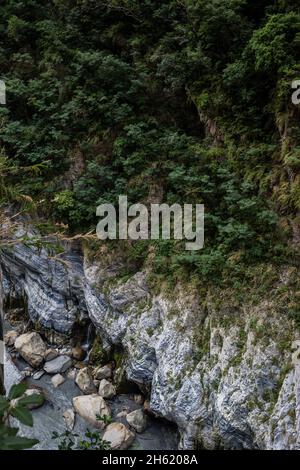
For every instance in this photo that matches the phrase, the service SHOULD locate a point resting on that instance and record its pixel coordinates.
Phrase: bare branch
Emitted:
(122, 9)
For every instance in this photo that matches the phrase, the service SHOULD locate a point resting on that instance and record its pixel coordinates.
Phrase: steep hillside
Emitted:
(176, 102)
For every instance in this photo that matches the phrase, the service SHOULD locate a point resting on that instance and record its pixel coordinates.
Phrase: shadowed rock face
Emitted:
(231, 390)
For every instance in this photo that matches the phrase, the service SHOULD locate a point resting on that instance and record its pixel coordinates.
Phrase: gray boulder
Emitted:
(104, 372)
(58, 365)
(137, 420)
(106, 389)
(57, 380)
(84, 381)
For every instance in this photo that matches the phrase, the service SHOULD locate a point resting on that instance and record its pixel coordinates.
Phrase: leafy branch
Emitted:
(16, 405)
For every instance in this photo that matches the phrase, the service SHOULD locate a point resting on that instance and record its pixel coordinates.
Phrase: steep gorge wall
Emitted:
(229, 378)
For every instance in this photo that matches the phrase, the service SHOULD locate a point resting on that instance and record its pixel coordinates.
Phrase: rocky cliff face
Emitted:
(229, 378)
(50, 284)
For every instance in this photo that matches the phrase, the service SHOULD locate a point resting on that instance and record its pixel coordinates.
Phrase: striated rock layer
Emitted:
(229, 378)
(52, 284)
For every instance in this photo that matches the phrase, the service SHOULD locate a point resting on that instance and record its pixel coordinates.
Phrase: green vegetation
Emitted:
(97, 354)
(16, 405)
(92, 439)
(69, 441)
(174, 101)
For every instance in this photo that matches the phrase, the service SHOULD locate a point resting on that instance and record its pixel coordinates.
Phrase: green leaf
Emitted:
(17, 391)
(37, 399)
(4, 404)
(23, 415)
(17, 443)
(7, 431)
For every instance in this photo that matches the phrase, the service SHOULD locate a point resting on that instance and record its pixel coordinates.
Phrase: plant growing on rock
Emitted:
(69, 441)
(105, 419)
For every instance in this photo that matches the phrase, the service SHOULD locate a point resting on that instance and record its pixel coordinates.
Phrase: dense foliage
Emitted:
(174, 101)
